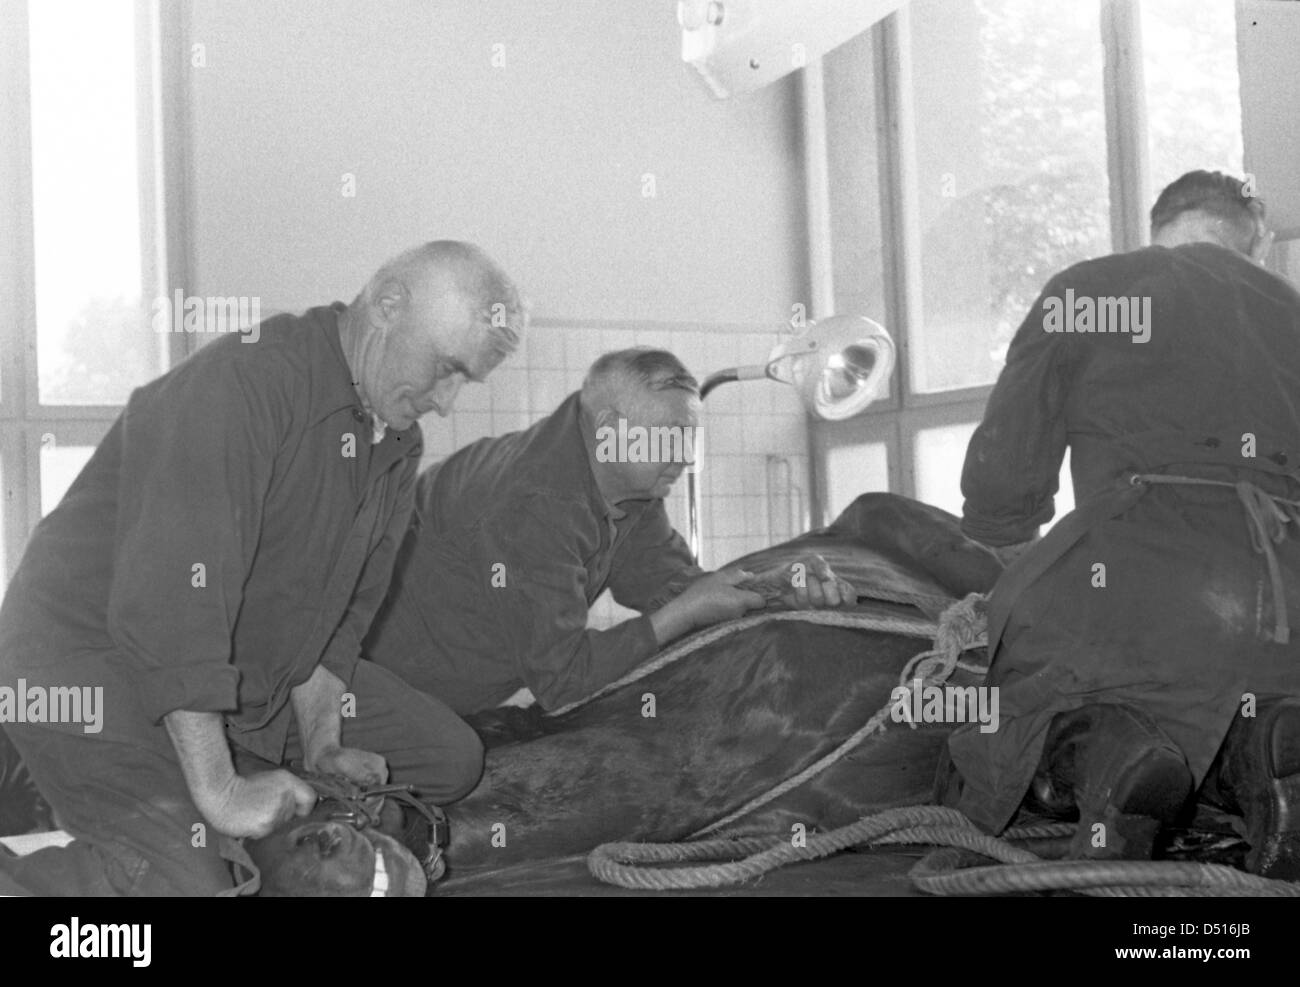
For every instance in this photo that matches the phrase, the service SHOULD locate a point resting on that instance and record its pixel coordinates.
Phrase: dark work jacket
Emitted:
(1147, 595)
(234, 529)
(512, 544)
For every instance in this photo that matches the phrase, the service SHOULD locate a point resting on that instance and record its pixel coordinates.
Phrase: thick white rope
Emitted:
(886, 623)
(962, 626)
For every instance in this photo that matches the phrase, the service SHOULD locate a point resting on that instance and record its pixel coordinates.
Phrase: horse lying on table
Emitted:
(676, 747)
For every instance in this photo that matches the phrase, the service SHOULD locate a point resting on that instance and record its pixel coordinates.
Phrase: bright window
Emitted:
(988, 129)
(93, 336)
(1189, 50)
(82, 163)
(59, 467)
(1011, 171)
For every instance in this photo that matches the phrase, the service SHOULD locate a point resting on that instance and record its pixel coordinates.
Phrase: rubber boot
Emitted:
(1115, 770)
(1257, 773)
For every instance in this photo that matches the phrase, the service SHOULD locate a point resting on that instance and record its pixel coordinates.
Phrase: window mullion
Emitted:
(900, 210)
(1126, 122)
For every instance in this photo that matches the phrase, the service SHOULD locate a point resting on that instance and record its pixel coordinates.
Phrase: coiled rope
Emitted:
(940, 873)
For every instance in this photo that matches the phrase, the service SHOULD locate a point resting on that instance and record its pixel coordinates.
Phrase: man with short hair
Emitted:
(1142, 648)
(516, 536)
(214, 568)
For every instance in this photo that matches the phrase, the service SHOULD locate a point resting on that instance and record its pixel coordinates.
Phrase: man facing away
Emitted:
(213, 570)
(516, 536)
(1143, 648)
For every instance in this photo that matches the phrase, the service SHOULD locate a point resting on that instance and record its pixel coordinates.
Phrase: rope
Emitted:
(947, 871)
(610, 863)
(963, 625)
(944, 872)
(941, 873)
(887, 623)
(876, 723)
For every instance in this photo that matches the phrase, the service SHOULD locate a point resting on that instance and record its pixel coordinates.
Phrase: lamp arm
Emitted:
(718, 378)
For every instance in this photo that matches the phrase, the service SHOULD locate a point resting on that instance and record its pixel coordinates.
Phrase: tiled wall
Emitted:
(755, 470)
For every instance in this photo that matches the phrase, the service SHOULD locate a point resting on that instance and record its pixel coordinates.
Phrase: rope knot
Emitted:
(962, 626)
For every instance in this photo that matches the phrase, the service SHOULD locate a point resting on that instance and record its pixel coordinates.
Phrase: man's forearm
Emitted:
(317, 706)
(671, 621)
(204, 754)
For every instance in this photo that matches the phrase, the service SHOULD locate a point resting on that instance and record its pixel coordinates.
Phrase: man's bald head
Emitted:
(1208, 207)
(461, 270)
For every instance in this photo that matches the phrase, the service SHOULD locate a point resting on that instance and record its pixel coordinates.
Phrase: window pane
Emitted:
(1011, 165)
(1193, 102)
(852, 470)
(854, 164)
(59, 467)
(94, 342)
(939, 454)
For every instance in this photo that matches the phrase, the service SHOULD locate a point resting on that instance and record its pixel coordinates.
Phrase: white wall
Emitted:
(543, 161)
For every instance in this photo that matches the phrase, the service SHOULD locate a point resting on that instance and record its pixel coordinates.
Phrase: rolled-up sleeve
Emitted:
(1013, 463)
(197, 453)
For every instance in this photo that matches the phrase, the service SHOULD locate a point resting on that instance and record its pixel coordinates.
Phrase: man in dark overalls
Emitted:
(1143, 649)
(213, 570)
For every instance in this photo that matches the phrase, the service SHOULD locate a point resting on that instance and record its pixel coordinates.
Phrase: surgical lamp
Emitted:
(839, 365)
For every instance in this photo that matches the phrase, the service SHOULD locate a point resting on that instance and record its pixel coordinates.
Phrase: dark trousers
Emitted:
(138, 832)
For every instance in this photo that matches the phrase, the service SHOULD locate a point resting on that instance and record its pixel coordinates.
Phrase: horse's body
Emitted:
(667, 754)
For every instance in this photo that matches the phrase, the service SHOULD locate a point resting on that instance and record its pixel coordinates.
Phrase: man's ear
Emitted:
(1260, 248)
(391, 302)
(606, 417)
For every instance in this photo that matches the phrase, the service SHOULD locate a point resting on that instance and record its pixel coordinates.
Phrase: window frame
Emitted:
(897, 418)
(161, 93)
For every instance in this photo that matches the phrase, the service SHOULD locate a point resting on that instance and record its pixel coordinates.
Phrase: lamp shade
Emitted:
(840, 365)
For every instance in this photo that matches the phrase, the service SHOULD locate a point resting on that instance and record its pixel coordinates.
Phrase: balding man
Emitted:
(214, 568)
(517, 536)
(1144, 647)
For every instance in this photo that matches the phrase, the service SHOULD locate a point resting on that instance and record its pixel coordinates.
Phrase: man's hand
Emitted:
(232, 805)
(816, 586)
(317, 706)
(256, 805)
(711, 599)
(806, 583)
(356, 765)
